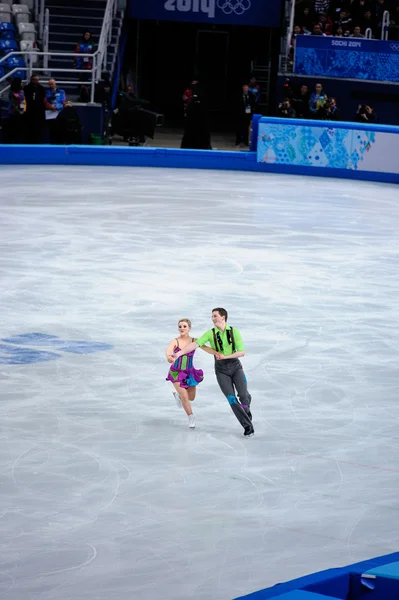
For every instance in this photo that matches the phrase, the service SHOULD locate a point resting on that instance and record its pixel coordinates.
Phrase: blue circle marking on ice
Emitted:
(78, 347)
(15, 354)
(41, 339)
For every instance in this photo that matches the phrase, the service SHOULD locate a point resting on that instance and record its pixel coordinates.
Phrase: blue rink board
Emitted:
(343, 583)
(168, 158)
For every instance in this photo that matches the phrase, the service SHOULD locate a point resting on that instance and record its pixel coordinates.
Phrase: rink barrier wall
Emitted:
(355, 150)
(224, 160)
(373, 579)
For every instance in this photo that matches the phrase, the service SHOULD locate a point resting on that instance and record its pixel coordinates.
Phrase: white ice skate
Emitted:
(191, 421)
(178, 399)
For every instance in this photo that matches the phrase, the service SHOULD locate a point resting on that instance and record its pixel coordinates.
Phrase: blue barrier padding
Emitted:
(345, 150)
(353, 572)
(307, 583)
(332, 124)
(303, 595)
(168, 158)
(390, 570)
(254, 133)
(337, 586)
(379, 588)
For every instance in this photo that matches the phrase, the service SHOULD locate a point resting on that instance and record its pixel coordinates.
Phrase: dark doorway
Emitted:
(164, 57)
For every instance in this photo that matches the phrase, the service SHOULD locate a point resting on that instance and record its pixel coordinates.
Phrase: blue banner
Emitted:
(350, 58)
(265, 13)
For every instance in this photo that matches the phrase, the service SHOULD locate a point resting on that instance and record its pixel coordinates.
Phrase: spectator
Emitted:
(325, 23)
(85, 46)
(69, 126)
(379, 9)
(316, 101)
(254, 89)
(321, 6)
(244, 112)
(301, 103)
(339, 32)
(297, 31)
(102, 94)
(196, 132)
(344, 20)
(356, 33)
(16, 113)
(35, 110)
(285, 109)
(336, 7)
(306, 19)
(331, 111)
(54, 102)
(317, 30)
(367, 21)
(188, 95)
(365, 114)
(358, 8)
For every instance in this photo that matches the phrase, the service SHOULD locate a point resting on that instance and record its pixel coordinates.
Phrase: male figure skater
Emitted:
(227, 342)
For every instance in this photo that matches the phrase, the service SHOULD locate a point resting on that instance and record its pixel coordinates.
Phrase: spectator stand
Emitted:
(24, 28)
(349, 92)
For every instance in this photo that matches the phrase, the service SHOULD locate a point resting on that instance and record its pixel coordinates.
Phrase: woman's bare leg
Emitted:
(191, 391)
(184, 398)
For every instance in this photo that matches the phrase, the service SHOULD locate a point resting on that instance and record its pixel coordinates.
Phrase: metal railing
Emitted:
(290, 29)
(368, 34)
(99, 57)
(28, 55)
(105, 37)
(46, 37)
(40, 19)
(385, 25)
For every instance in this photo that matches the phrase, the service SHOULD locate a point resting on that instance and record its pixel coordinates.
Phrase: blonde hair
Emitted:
(185, 321)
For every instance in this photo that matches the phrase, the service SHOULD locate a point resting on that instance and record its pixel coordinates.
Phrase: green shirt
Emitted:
(227, 348)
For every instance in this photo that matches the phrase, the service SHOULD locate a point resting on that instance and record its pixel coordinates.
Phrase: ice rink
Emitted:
(105, 493)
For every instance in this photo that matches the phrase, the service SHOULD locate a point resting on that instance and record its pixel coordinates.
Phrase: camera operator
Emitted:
(331, 111)
(285, 109)
(365, 114)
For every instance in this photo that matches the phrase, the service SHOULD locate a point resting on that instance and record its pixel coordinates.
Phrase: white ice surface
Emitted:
(105, 493)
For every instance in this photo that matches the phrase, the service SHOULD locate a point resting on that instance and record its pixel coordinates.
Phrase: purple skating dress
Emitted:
(183, 372)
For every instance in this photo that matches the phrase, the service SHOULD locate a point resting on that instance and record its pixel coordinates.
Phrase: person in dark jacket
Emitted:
(331, 110)
(69, 126)
(301, 102)
(131, 121)
(285, 109)
(35, 110)
(102, 93)
(15, 125)
(196, 131)
(244, 112)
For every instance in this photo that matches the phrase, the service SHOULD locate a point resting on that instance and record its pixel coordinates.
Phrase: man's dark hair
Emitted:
(222, 312)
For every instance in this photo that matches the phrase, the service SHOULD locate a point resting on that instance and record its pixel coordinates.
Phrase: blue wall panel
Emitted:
(349, 58)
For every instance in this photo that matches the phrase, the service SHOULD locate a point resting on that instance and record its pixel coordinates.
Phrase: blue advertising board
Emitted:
(350, 58)
(265, 13)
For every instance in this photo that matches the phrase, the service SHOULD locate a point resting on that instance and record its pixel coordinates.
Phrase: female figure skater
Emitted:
(182, 373)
